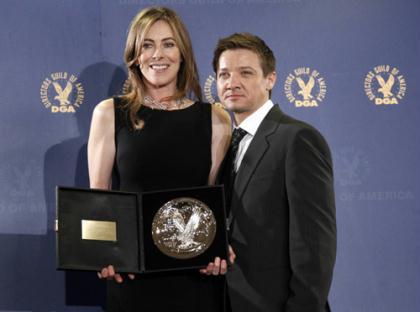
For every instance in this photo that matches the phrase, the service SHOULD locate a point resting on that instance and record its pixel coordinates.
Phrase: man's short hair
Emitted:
(249, 42)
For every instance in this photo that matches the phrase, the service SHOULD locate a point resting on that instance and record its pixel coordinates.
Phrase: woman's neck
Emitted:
(160, 93)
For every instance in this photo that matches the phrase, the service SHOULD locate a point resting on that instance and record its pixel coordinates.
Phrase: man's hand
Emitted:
(110, 274)
(219, 267)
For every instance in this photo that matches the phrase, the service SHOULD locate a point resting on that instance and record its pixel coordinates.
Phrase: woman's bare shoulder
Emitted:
(104, 110)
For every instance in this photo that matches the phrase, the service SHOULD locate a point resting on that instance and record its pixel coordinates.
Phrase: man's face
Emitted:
(241, 84)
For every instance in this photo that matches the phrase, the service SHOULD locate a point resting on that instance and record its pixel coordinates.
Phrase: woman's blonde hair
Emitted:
(187, 80)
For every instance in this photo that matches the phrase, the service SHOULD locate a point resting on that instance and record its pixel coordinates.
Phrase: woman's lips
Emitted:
(159, 67)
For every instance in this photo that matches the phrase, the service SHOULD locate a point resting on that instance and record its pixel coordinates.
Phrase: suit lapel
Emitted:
(255, 152)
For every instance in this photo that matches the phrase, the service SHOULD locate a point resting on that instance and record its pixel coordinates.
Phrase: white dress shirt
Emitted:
(250, 125)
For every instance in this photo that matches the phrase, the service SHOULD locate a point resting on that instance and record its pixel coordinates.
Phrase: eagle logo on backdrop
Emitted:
(384, 85)
(62, 93)
(305, 87)
(352, 166)
(210, 91)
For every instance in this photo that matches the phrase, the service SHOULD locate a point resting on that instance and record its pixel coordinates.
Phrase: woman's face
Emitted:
(160, 57)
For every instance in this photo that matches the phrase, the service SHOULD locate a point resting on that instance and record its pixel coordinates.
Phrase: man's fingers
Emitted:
(131, 276)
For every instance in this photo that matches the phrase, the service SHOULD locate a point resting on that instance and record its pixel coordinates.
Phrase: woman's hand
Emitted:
(110, 274)
(219, 266)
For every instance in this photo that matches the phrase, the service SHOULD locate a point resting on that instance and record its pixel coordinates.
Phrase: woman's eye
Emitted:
(169, 44)
(147, 46)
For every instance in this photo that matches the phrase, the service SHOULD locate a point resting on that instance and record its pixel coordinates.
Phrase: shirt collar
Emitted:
(253, 121)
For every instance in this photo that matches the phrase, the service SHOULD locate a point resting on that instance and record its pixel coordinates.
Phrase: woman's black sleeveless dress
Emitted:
(173, 150)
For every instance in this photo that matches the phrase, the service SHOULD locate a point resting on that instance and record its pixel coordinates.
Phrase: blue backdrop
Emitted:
(350, 68)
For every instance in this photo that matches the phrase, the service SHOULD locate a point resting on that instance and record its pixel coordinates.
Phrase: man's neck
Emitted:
(241, 116)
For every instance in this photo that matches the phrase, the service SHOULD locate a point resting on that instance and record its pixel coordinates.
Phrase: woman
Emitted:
(157, 138)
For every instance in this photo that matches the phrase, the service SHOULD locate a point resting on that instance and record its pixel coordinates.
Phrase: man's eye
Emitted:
(246, 73)
(223, 75)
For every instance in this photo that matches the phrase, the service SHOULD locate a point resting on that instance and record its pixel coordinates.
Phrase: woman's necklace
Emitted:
(154, 104)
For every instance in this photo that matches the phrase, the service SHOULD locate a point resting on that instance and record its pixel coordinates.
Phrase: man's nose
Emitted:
(233, 81)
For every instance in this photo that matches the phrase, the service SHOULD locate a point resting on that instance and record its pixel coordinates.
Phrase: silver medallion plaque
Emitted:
(183, 228)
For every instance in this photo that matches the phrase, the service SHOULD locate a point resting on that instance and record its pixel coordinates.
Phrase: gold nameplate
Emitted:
(99, 230)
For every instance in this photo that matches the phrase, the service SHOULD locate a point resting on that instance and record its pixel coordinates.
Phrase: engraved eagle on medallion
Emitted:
(186, 231)
(183, 228)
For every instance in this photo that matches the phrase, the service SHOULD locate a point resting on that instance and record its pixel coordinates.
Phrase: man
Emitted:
(282, 212)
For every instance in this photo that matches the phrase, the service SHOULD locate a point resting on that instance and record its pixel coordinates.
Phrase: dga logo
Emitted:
(62, 93)
(305, 87)
(352, 166)
(210, 91)
(384, 85)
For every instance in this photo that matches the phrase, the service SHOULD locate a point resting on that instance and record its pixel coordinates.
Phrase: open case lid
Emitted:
(96, 228)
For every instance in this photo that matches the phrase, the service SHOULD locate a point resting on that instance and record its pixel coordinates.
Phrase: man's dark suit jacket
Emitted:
(282, 217)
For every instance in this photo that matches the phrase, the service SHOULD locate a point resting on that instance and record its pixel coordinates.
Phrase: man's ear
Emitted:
(271, 80)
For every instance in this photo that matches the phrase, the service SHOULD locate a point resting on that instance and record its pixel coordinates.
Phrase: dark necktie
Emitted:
(237, 136)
